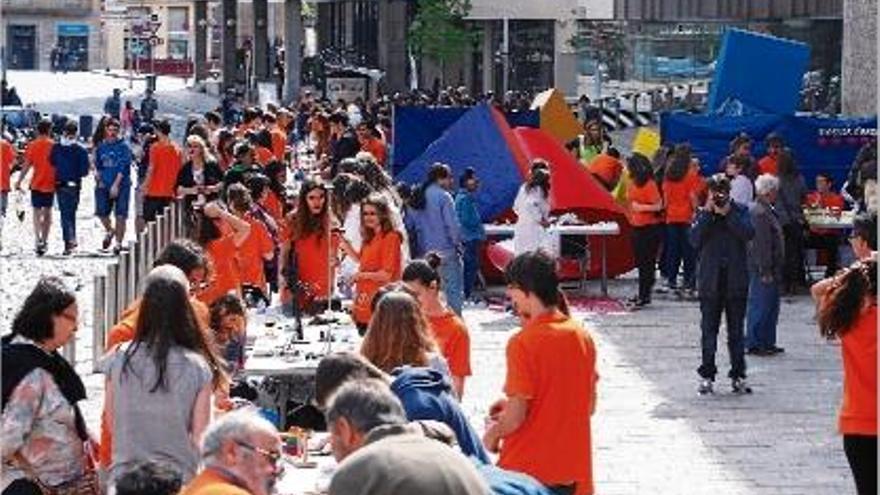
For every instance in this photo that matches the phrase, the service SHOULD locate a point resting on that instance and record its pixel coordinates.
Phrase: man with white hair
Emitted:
(766, 262)
(241, 453)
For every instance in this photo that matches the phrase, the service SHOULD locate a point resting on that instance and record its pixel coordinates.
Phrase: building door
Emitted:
(22, 43)
(73, 46)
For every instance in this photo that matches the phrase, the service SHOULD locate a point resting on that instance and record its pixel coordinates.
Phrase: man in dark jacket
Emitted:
(720, 233)
(343, 141)
(71, 163)
(766, 263)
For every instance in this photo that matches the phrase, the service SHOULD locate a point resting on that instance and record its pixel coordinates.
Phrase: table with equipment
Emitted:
(557, 231)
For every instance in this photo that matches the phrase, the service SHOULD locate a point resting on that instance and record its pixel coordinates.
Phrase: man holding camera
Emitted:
(720, 233)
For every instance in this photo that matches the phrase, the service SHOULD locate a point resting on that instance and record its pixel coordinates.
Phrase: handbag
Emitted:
(88, 483)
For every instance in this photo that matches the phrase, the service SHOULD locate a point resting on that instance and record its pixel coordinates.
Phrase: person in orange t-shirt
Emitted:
(257, 247)
(36, 155)
(768, 164)
(160, 183)
(379, 259)
(542, 426)
(221, 234)
(370, 143)
(680, 183)
(450, 332)
(848, 311)
(827, 241)
(606, 168)
(646, 214)
(7, 159)
(308, 250)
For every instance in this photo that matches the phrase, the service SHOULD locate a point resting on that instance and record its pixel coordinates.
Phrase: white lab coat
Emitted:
(531, 208)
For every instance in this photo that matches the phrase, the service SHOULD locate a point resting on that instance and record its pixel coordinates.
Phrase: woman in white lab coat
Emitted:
(532, 208)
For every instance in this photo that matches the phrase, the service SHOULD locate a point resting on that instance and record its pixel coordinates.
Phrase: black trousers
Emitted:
(861, 452)
(154, 206)
(646, 242)
(22, 487)
(734, 310)
(795, 276)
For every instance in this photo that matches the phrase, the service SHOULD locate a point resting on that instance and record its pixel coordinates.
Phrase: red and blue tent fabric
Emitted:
(415, 128)
(482, 139)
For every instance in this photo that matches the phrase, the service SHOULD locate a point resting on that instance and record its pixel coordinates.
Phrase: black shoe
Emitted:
(740, 386)
(754, 351)
(775, 350)
(108, 240)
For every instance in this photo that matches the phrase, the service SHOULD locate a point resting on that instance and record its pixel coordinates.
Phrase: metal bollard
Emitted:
(152, 233)
(125, 277)
(160, 231)
(121, 303)
(141, 248)
(99, 324)
(112, 311)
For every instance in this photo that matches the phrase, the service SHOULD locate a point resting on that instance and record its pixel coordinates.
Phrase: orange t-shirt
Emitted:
(263, 156)
(225, 277)
(551, 362)
(251, 253)
(279, 143)
(7, 156)
(313, 263)
(767, 165)
(274, 207)
(858, 410)
(123, 332)
(37, 154)
(381, 253)
(646, 194)
(454, 341)
(679, 208)
(165, 164)
(210, 482)
(375, 147)
(607, 169)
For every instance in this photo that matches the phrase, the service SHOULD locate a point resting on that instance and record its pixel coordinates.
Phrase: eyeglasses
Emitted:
(273, 458)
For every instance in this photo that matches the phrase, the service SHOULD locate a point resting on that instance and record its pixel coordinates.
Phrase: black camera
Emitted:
(720, 199)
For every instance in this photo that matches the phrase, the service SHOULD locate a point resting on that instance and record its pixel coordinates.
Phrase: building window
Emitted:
(178, 19)
(177, 49)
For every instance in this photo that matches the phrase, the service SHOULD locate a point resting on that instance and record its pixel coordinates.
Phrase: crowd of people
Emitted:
(407, 257)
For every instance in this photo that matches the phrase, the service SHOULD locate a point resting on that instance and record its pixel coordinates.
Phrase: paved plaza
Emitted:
(652, 433)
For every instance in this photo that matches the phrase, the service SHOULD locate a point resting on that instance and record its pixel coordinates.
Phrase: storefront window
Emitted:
(177, 49)
(178, 19)
(531, 55)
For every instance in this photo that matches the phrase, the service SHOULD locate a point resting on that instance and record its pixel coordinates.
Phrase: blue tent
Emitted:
(759, 70)
(480, 139)
(819, 144)
(417, 127)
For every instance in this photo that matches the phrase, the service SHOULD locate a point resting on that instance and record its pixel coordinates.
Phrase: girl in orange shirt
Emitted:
(257, 248)
(309, 249)
(646, 207)
(680, 196)
(221, 234)
(450, 332)
(379, 257)
(848, 311)
(398, 335)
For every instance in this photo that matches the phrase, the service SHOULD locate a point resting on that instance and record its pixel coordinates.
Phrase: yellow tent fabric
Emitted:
(556, 118)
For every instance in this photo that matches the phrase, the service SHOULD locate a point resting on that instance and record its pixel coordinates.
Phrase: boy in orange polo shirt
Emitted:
(36, 155)
(542, 427)
(161, 180)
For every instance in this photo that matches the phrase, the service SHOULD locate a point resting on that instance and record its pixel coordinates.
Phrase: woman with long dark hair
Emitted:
(159, 386)
(792, 191)
(378, 259)
(645, 214)
(532, 208)
(848, 312)
(680, 185)
(221, 233)
(43, 428)
(311, 244)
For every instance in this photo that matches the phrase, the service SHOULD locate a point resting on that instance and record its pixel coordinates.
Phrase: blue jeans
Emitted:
(678, 251)
(471, 266)
(452, 278)
(68, 202)
(762, 313)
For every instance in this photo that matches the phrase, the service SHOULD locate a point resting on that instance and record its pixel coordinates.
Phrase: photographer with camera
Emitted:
(720, 234)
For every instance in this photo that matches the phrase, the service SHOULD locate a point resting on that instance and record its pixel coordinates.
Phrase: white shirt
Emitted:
(531, 208)
(741, 190)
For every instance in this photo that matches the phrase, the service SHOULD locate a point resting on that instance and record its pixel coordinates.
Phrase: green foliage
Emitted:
(439, 30)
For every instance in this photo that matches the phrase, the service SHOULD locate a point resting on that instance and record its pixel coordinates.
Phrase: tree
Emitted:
(439, 31)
